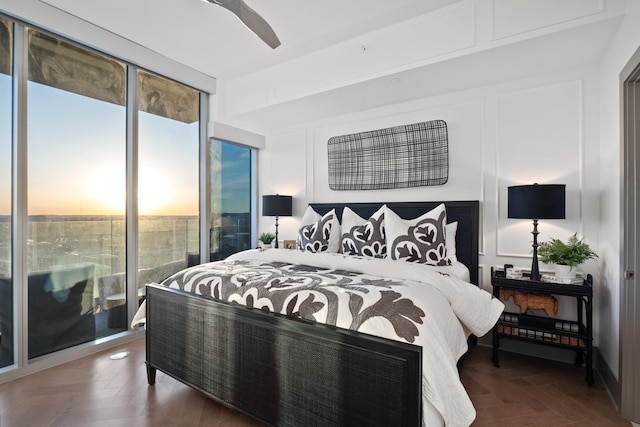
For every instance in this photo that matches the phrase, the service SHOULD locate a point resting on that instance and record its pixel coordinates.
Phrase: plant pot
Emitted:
(565, 271)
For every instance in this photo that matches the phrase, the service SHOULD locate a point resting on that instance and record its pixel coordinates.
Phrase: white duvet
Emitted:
(453, 308)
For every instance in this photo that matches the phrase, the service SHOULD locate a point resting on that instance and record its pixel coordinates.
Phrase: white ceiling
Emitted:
(212, 40)
(509, 62)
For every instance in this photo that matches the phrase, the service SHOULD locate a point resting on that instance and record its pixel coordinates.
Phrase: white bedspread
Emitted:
(452, 308)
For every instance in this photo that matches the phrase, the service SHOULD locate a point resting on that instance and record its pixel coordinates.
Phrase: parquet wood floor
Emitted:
(97, 391)
(528, 391)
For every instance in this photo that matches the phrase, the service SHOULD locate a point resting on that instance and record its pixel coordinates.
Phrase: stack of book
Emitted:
(553, 279)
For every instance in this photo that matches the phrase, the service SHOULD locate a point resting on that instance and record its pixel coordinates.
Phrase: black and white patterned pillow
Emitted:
(311, 216)
(314, 237)
(364, 237)
(421, 240)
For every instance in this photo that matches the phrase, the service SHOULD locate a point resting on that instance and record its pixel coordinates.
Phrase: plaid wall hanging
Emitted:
(402, 156)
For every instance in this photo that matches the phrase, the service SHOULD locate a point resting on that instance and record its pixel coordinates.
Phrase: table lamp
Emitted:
(537, 201)
(277, 205)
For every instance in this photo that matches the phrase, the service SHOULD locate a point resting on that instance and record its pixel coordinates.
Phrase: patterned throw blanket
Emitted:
(308, 292)
(408, 302)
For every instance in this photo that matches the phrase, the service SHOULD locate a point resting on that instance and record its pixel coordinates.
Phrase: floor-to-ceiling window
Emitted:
(76, 193)
(6, 286)
(168, 186)
(72, 168)
(230, 182)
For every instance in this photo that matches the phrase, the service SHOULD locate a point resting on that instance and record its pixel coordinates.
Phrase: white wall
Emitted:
(542, 129)
(539, 125)
(626, 42)
(506, 125)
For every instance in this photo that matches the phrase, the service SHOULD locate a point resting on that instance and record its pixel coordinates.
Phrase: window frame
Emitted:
(19, 214)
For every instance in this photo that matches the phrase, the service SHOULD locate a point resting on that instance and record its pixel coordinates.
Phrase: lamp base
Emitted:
(535, 272)
(276, 242)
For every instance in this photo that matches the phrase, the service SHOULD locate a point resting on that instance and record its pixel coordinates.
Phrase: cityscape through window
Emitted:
(230, 182)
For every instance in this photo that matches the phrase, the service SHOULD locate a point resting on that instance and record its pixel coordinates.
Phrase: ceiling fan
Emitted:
(251, 19)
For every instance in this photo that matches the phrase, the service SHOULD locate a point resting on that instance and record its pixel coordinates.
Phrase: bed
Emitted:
(299, 360)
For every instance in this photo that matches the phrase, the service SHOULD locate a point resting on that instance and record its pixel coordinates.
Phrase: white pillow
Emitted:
(420, 240)
(452, 229)
(310, 217)
(363, 237)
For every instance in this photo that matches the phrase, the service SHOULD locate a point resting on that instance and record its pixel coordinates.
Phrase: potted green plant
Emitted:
(565, 256)
(266, 239)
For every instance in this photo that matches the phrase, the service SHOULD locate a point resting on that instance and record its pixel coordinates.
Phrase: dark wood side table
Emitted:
(575, 335)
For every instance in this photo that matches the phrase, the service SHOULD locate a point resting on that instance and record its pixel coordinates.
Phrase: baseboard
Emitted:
(610, 381)
(531, 349)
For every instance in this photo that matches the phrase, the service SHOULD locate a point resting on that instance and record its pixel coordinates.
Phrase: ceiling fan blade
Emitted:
(258, 25)
(251, 19)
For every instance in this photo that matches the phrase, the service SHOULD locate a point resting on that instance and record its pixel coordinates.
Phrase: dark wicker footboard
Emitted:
(284, 372)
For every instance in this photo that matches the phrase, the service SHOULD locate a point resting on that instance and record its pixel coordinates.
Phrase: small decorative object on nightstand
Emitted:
(575, 335)
(566, 256)
(266, 239)
(289, 244)
(526, 301)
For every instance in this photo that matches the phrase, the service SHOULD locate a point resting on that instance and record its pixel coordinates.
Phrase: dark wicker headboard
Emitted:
(465, 212)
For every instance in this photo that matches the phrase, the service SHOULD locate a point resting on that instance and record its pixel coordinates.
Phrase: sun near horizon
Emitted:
(104, 193)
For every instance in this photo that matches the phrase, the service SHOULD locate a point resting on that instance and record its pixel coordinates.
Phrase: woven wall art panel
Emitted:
(402, 156)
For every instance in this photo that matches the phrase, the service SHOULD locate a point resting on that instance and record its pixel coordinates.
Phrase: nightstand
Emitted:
(575, 335)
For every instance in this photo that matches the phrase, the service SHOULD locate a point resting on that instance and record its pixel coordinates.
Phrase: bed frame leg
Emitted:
(151, 374)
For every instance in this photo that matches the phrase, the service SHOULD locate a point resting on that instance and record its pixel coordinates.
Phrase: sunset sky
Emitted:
(77, 157)
(5, 146)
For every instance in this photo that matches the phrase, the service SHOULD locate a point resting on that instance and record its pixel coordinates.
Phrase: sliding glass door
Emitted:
(76, 194)
(168, 186)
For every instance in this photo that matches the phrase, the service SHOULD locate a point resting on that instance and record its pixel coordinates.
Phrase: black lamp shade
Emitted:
(537, 201)
(277, 205)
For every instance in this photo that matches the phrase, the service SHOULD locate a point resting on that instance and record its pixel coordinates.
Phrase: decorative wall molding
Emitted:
(514, 17)
(548, 149)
